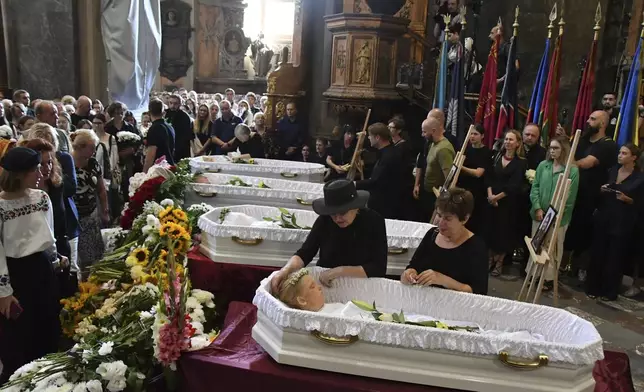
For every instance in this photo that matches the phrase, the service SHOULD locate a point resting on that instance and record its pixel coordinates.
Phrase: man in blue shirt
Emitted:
(291, 134)
(222, 132)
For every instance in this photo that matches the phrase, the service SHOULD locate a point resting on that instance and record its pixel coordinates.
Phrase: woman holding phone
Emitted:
(615, 219)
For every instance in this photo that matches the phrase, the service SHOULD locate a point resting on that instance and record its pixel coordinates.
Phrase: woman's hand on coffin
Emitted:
(409, 277)
(5, 305)
(431, 277)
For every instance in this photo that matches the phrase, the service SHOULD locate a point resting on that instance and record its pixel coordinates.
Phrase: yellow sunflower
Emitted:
(141, 255)
(174, 231)
(165, 212)
(180, 215)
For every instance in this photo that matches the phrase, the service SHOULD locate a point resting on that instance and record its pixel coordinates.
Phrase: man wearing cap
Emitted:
(351, 238)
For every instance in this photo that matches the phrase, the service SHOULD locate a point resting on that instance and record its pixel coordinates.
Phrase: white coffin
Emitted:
(270, 168)
(430, 356)
(282, 193)
(275, 246)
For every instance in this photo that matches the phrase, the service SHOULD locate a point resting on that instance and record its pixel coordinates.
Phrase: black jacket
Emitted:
(386, 183)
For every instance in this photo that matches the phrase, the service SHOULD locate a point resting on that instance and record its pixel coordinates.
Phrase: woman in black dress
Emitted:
(342, 154)
(478, 158)
(351, 239)
(503, 183)
(450, 256)
(201, 128)
(615, 221)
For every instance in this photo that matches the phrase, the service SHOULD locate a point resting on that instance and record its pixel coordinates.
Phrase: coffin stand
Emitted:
(281, 193)
(267, 168)
(430, 356)
(273, 247)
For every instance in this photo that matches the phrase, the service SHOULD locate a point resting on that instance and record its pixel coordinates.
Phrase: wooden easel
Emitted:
(539, 264)
(459, 160)
(356, 161)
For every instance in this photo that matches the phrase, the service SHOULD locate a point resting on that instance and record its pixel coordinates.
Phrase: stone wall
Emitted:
(42, 47)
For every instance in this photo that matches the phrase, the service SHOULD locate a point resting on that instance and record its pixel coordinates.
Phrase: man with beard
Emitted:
(595, 155)
(182, 125)
(609, 104)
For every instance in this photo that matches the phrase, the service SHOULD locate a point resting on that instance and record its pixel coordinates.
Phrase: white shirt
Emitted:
(26, 227)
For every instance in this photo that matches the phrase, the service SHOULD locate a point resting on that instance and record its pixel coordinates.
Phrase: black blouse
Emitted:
(508, 179)
(363, 243)
(615, 216)
(475, 158)
(466, 264)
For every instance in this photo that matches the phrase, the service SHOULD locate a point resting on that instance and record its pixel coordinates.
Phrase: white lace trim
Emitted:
(219, 162)
(278, 189)
(400, 234)
(569, 339)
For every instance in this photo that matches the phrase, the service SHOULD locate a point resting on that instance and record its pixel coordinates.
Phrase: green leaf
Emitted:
(426, 323)
(284, 211)
(363, 305)
(395, 317)
(402, 316)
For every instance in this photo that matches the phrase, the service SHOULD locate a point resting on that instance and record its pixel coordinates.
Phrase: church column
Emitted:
(42, 46)
(93, 65)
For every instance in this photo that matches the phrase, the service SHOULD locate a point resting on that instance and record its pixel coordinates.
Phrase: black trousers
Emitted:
(606, 266)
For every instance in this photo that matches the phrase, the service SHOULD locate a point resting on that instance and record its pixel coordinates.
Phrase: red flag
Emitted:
(550, 106)
(585, 98)
(486, 108)
(509, 92)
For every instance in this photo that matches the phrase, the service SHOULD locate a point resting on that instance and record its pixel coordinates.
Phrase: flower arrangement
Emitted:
(135, 315)
(128, 137)
(238, 157)
(236, 181)
(529, 175)
(161, 182)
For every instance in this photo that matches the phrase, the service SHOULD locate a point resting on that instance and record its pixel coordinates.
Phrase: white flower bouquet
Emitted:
(529, 175)
(128, 137)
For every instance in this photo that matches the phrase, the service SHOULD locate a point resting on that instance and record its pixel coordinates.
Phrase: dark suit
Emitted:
(386, 183)
(183, 134)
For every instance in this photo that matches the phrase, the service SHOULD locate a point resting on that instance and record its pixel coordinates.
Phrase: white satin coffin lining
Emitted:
(262, 166)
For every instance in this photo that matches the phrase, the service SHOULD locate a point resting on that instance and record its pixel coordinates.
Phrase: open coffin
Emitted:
(243, 238)
(270, 168)
(261, 191)
(499, 357)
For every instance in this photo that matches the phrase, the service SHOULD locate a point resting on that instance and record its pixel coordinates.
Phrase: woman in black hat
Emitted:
(28, 294)
(351, 239)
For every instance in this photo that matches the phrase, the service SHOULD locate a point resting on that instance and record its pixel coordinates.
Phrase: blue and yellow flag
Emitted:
(627, 123)
(441, 82)
(539, 86)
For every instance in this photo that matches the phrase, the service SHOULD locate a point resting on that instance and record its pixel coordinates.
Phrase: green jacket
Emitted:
(543, 188)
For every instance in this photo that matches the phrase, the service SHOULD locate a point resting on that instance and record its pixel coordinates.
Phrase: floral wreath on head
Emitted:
(295, 277)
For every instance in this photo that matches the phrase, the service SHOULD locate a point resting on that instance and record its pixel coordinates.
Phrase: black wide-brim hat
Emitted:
(340, 196)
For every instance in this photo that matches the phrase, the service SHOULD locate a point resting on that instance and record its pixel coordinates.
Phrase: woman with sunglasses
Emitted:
(450, 256)
(543, 189)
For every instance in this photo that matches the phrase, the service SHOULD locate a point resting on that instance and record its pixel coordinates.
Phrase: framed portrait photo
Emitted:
(549, 220)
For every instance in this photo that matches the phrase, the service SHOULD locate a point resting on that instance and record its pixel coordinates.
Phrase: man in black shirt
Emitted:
(160, 137)
(595, 155)
(609, 104)
(222, 132)
(83, 107)
(386, 182)
(182, 125)
(351, 239)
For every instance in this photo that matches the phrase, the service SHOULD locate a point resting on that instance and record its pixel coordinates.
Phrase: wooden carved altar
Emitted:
(283, 86)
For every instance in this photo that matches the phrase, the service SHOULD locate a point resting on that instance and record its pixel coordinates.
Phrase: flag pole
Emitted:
(552, 18)
(515, 25)
(598, 19)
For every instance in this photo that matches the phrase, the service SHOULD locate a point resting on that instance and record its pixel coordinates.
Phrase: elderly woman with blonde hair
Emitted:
(92, 210)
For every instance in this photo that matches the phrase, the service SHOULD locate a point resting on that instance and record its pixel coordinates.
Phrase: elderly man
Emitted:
(223, 129)
(46, 112)
(595, 155)
(83, 108)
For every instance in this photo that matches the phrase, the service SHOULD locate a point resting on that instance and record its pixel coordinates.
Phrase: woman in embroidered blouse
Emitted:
(27, 250)
(92, 214)
(107, 156)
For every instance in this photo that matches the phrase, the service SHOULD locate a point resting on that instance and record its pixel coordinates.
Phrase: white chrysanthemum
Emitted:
(112, 371)
(202, 296)
(198, 315)
(197, 326)
(193, 303)
(199, 342)
(94, 386)
(167, 202)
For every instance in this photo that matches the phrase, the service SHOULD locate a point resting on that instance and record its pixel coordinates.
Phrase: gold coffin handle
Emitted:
(540, 361)
(288, 175)
(397, 251)
(250, 242)
(304, 203)
(333, 340)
